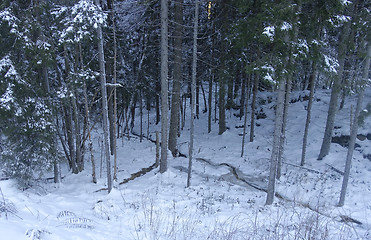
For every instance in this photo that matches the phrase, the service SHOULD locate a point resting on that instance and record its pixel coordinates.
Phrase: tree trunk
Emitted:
(354, 128)
(245, 112)
(283, 130)
(312, 80)
(197, 98)
(290, 64)
(223, 70)
(333, 105)
(194, 75)
(56, 168)
(204, 97)
(114, 142)
(164, 84)
(222, 123)
(141, 115)
(157, 103)
(276, 143)
(77, 132)
(216, 103)
(230, 84)
(253, 106)
(70, 139)
(93, 174)
(209, 101)
(178, 61)
(104, 103)
(243, 95)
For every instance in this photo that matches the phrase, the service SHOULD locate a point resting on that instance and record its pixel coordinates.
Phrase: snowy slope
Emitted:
(220, 204)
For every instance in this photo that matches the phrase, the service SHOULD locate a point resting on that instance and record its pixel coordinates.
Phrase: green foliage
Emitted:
(25, 115)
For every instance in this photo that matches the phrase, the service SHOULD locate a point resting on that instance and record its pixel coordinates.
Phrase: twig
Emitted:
(335, 169)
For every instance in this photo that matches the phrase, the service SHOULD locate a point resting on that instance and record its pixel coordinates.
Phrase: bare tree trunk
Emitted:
(243, 94)
(283, 130)
(57, 175)
(253, 106)
(197, 98)
(291, 64)
(70, 139)
(216, 103)
(354, 128)
(336, 87)
(104, 103)
(164, 84)
(194, 73)
(157, 102)
(148, 109)
(209, 101)
(157, 149)
(276, 143)
(204, 97)
(94, 175)
(312, 80)
(223, 71)
(114, 143)
(141, 115)
(230, 101)
(77, 132)
(178, 61)
(222, 123)
(245, 112)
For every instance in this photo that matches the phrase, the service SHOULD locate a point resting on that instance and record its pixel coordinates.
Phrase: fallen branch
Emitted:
(335, 169)
(234, 171)
(298, 166)
(139, 174)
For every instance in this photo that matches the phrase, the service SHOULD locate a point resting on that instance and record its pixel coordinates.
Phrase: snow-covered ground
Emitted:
(219, 204)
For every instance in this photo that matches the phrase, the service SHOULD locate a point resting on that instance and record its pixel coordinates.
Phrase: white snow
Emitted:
(217, 205)
(269, 32)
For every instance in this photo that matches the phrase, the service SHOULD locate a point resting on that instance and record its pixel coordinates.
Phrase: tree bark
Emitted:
(276, 143)
(77, 132)
(178, 61)
(114, 142)
(164, 84)
(253, 106)
(194, 75)
(290, 64)
(246, 103)
(284, 123)
(209, 101)
(243, 94)
(354, 128)
(104, 103)
(312, 80)
(223, 70)
(336, 87)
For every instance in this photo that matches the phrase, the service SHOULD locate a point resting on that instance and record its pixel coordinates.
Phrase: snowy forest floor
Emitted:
(220, 204)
